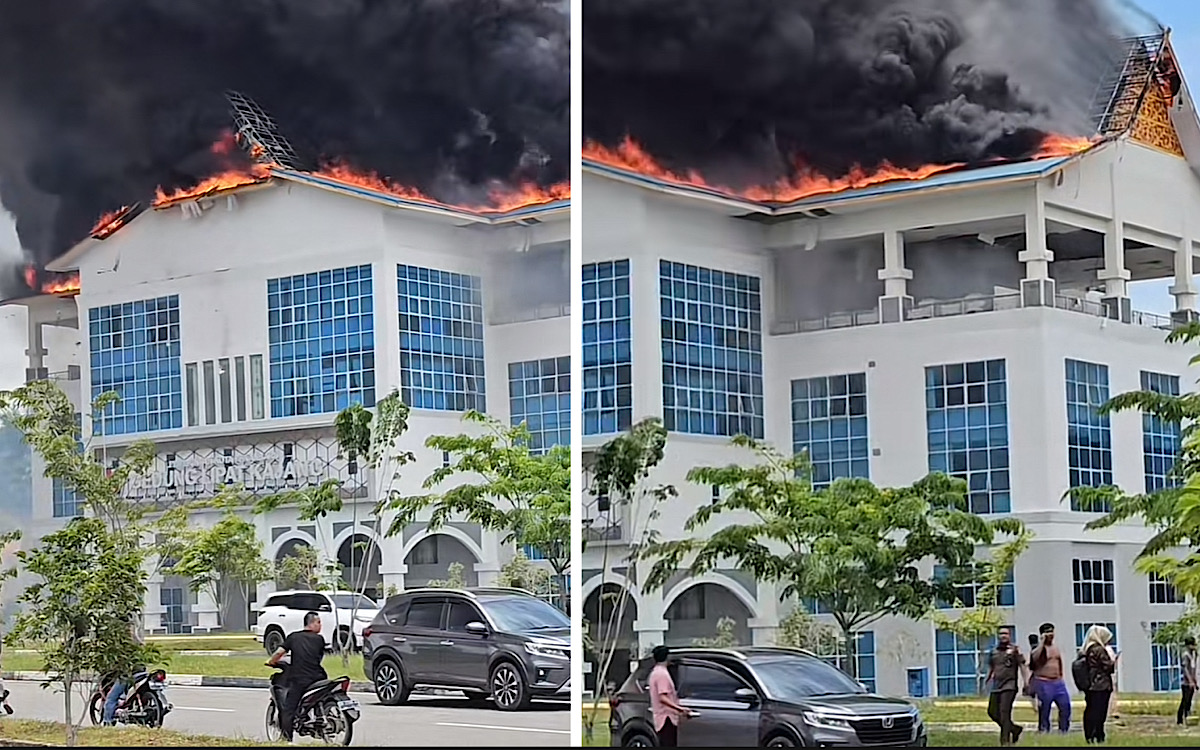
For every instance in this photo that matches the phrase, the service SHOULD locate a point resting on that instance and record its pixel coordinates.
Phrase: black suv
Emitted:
(765, 697)
(503, 643)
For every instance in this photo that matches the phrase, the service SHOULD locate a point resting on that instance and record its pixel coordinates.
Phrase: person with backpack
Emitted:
(1047, 663)
(1093, 672)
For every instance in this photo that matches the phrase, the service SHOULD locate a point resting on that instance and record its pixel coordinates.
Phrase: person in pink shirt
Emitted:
(664, 701)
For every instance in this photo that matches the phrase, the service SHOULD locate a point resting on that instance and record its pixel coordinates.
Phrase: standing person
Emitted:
(1004, 665)
(1030, 689)
(1100, 669)
(1187, 679)
(1114, 714)
(307, 648)
(1052, 690)
(664, 701)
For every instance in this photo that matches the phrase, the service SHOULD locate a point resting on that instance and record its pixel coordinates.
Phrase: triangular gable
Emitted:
(1137, 99)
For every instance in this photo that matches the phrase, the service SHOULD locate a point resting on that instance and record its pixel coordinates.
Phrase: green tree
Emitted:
(88, 586)
(620, 472)
(980, 623)
(299, 569)
(856, 548)
(1173, 512)
(522, 573)
(725, 636)
(803, 631)
(505, 487)
(224, 560)
(455, 578)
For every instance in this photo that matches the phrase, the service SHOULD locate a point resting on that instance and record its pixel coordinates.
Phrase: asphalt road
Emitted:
(240, 712)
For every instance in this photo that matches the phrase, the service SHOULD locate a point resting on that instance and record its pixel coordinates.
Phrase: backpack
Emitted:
(1081, 673)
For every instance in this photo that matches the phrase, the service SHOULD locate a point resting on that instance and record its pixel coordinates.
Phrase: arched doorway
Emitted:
(694, 617)
(432, 558)
(297, 565)
(360, 560)
(610, 612)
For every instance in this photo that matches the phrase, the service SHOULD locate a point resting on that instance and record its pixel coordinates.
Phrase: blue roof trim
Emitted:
(955, 178)
(516, 213)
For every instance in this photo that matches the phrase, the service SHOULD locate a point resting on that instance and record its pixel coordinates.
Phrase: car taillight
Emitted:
(346, 685)
(160, 675)
(367, 632)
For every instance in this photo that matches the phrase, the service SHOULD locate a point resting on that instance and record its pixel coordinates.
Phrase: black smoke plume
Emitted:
(746, 90)
(102, 101)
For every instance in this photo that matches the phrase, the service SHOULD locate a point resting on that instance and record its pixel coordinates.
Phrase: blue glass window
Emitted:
(1089, 436)
(607, 348)
(864, 655)
(1160, 439)
(322, 341)
(134, 348)
(829, 420)
(957, 662)
(967, 595)
(539, 394)
(67, 504)
(711, 351)
(1164, 663)
(441, 339)
(966, 421)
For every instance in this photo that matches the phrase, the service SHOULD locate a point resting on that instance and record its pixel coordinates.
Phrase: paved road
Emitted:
(240, 712)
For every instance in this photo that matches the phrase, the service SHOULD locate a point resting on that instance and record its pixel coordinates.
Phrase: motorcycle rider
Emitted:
(307, 648)
(121, 682)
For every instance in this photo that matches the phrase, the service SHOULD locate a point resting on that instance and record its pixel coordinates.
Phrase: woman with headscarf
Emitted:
(1100, 669)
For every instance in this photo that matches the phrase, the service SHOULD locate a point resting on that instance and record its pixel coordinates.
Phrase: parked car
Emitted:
(765, 697)
(502, 643)
(343, 614)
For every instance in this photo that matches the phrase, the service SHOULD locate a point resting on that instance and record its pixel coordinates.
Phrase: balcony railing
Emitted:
(965, 306)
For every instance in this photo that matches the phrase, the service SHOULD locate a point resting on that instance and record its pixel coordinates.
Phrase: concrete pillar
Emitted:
(1184, 288)
(36, 353)
(1115, 275)
(895, 303)
(1037, 288)
(488, 569)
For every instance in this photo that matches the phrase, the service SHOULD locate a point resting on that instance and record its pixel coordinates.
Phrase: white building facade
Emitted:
(967, 323)
(236, 326)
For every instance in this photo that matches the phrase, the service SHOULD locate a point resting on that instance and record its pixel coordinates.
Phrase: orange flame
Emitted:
(61, 285)
(807, 183)
(225, 181)
(109, 223)
(501, 200)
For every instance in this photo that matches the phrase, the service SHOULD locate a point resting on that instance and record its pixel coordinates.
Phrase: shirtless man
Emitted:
(1048, 669)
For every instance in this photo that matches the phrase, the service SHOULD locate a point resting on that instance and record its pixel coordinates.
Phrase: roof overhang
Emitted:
(522, 215)
(953, 179)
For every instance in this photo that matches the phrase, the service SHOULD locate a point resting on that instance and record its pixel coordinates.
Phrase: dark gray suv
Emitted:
(503, 643)
(765, 697)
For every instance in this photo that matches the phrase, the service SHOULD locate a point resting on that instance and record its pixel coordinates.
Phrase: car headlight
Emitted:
(825, 720)
(553, 652)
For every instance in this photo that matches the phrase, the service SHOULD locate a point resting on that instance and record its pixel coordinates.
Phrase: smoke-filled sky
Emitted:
(748, 88)
(102, 101)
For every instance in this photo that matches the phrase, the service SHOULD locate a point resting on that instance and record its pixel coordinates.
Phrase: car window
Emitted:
(280, 600)
(789, 677)
(425, 613)
(309, 602)
(462, 613)
(702, 682)
(394, 613)
(519, 614)
(353, 601)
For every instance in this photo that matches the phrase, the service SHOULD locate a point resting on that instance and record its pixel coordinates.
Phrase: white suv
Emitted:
(342, 613)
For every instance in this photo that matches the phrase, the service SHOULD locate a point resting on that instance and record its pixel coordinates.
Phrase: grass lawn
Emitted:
(238, 665)
(56, 734)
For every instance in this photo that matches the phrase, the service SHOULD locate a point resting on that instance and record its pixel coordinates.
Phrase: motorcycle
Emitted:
(326, 711)
(144, 703)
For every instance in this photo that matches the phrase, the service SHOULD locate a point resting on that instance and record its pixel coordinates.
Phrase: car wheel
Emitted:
(508, 687)
(638, 739)
(273, 640)
(390, 687)
(781, 740)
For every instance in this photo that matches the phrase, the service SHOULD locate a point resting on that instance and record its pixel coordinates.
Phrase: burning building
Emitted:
(963, 318)
(236, 319)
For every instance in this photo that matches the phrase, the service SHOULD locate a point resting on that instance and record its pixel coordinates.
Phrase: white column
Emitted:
(1037, 288)
(1184, 288)
(488, 569)
(36, 352)
(1115, 275)
(895, 303)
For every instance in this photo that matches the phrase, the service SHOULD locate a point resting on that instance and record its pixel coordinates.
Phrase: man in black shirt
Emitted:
(307, 648)
(1004, 666)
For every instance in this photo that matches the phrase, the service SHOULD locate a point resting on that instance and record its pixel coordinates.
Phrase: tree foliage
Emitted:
(724, 637)
(803, 631)
(455, 578)
(858, 549)
(299, 569)
(522, 573)
(502, 485)
(223, 560)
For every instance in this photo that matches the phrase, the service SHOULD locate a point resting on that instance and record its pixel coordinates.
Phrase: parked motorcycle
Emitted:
(144, 703)
(326, 711)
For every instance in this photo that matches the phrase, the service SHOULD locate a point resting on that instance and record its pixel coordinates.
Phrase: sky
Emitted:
(1182, 16)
